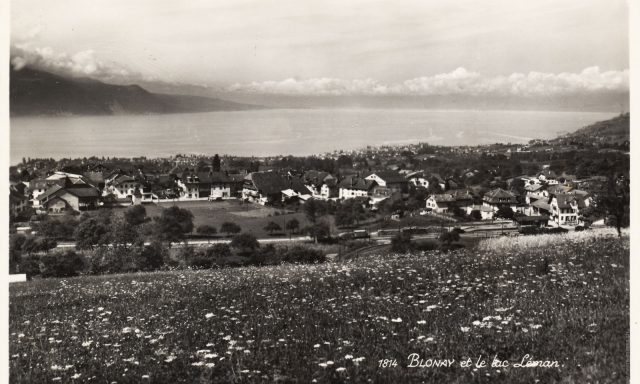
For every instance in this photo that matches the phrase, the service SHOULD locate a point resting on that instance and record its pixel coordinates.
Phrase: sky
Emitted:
(420, 47)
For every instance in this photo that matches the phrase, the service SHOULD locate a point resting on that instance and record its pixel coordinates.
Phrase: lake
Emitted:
(280, 131)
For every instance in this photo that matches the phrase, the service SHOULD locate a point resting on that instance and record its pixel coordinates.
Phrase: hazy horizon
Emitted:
(290, 49)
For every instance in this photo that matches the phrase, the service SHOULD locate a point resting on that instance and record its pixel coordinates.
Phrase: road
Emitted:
(219, 241)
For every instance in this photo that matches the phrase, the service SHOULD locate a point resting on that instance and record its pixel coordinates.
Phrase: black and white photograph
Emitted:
(293, 191)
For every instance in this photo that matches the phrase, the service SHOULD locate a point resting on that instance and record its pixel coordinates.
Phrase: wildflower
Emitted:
(209, 315)
(465, 329)
(398, 320)
(421, 322)
(340, 369)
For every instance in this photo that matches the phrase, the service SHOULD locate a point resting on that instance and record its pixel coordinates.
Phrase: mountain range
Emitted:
(36, 92)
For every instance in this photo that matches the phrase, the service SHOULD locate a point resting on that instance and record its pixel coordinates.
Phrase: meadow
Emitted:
(562, 300)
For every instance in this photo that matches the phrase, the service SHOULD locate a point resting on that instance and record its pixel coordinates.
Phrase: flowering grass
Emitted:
(335, 322)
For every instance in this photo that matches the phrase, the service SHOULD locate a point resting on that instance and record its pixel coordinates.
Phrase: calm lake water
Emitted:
(280, 131)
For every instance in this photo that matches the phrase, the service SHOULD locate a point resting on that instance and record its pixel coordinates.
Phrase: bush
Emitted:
(230, 228)
(303, 255)
(401, 243)
(30, 265)
(59, 264)
(449, 237)
(200, 260)
(151, 257)
(206, 230)
(245, 243)
(106, 260)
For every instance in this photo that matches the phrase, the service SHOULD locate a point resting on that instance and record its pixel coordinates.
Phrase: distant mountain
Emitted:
(612, 131)
(36, 92)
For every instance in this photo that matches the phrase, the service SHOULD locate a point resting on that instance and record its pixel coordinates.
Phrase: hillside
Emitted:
(35, 92)
(339, 322)
(613, 132)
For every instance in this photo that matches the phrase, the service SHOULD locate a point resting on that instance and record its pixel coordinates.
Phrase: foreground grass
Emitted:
(334, 322)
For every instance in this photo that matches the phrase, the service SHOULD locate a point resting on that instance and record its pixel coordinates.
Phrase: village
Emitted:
(529, 187)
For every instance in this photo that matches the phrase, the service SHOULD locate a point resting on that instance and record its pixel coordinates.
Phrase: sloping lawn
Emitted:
(338, 322)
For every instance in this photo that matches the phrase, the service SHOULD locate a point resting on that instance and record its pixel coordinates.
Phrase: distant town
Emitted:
(543, 183)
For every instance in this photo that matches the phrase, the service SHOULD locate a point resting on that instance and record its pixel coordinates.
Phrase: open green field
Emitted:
(252, 218)
(336, 322)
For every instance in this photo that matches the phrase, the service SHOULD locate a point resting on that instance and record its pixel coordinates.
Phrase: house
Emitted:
(18, 202)
(418, 178)
(535, 192)
(68, 198)
(322, 185)
(390, 179)
(353, 186)
(441, 203)
(37, 188)
(266, 187)
(565, 207)
(208, 185)
(445, 202)
(121, 185)
(486, 213)
(498, 197)
(538, 207)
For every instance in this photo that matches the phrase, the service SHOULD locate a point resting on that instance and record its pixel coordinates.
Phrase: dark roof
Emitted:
(541, 204)
(123, 179)
(354, 182)
(565, 200)
(533, 187)
(271, 183)
(389, 176)
(94, 177)
(83, 192)
(500, 196)
(49, 192)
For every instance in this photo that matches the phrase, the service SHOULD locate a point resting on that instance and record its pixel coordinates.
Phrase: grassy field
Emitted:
(251, 218)
(336, 322)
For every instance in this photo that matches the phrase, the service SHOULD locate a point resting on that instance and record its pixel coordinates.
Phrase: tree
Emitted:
(91, 232)
(245, 243)
(504, 212)
(612, 202)
(319, 231)
(135, 215)
(206, 230)
(311, 210)
(61, 264)
(173, 224)
(230, 228)
(293, 225)
(215, 163)
(151, 257)
(476, 215)
(272, 227)
(449, 237)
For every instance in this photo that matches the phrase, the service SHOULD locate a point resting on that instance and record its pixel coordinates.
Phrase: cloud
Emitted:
(458, 82)
(80, 64)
